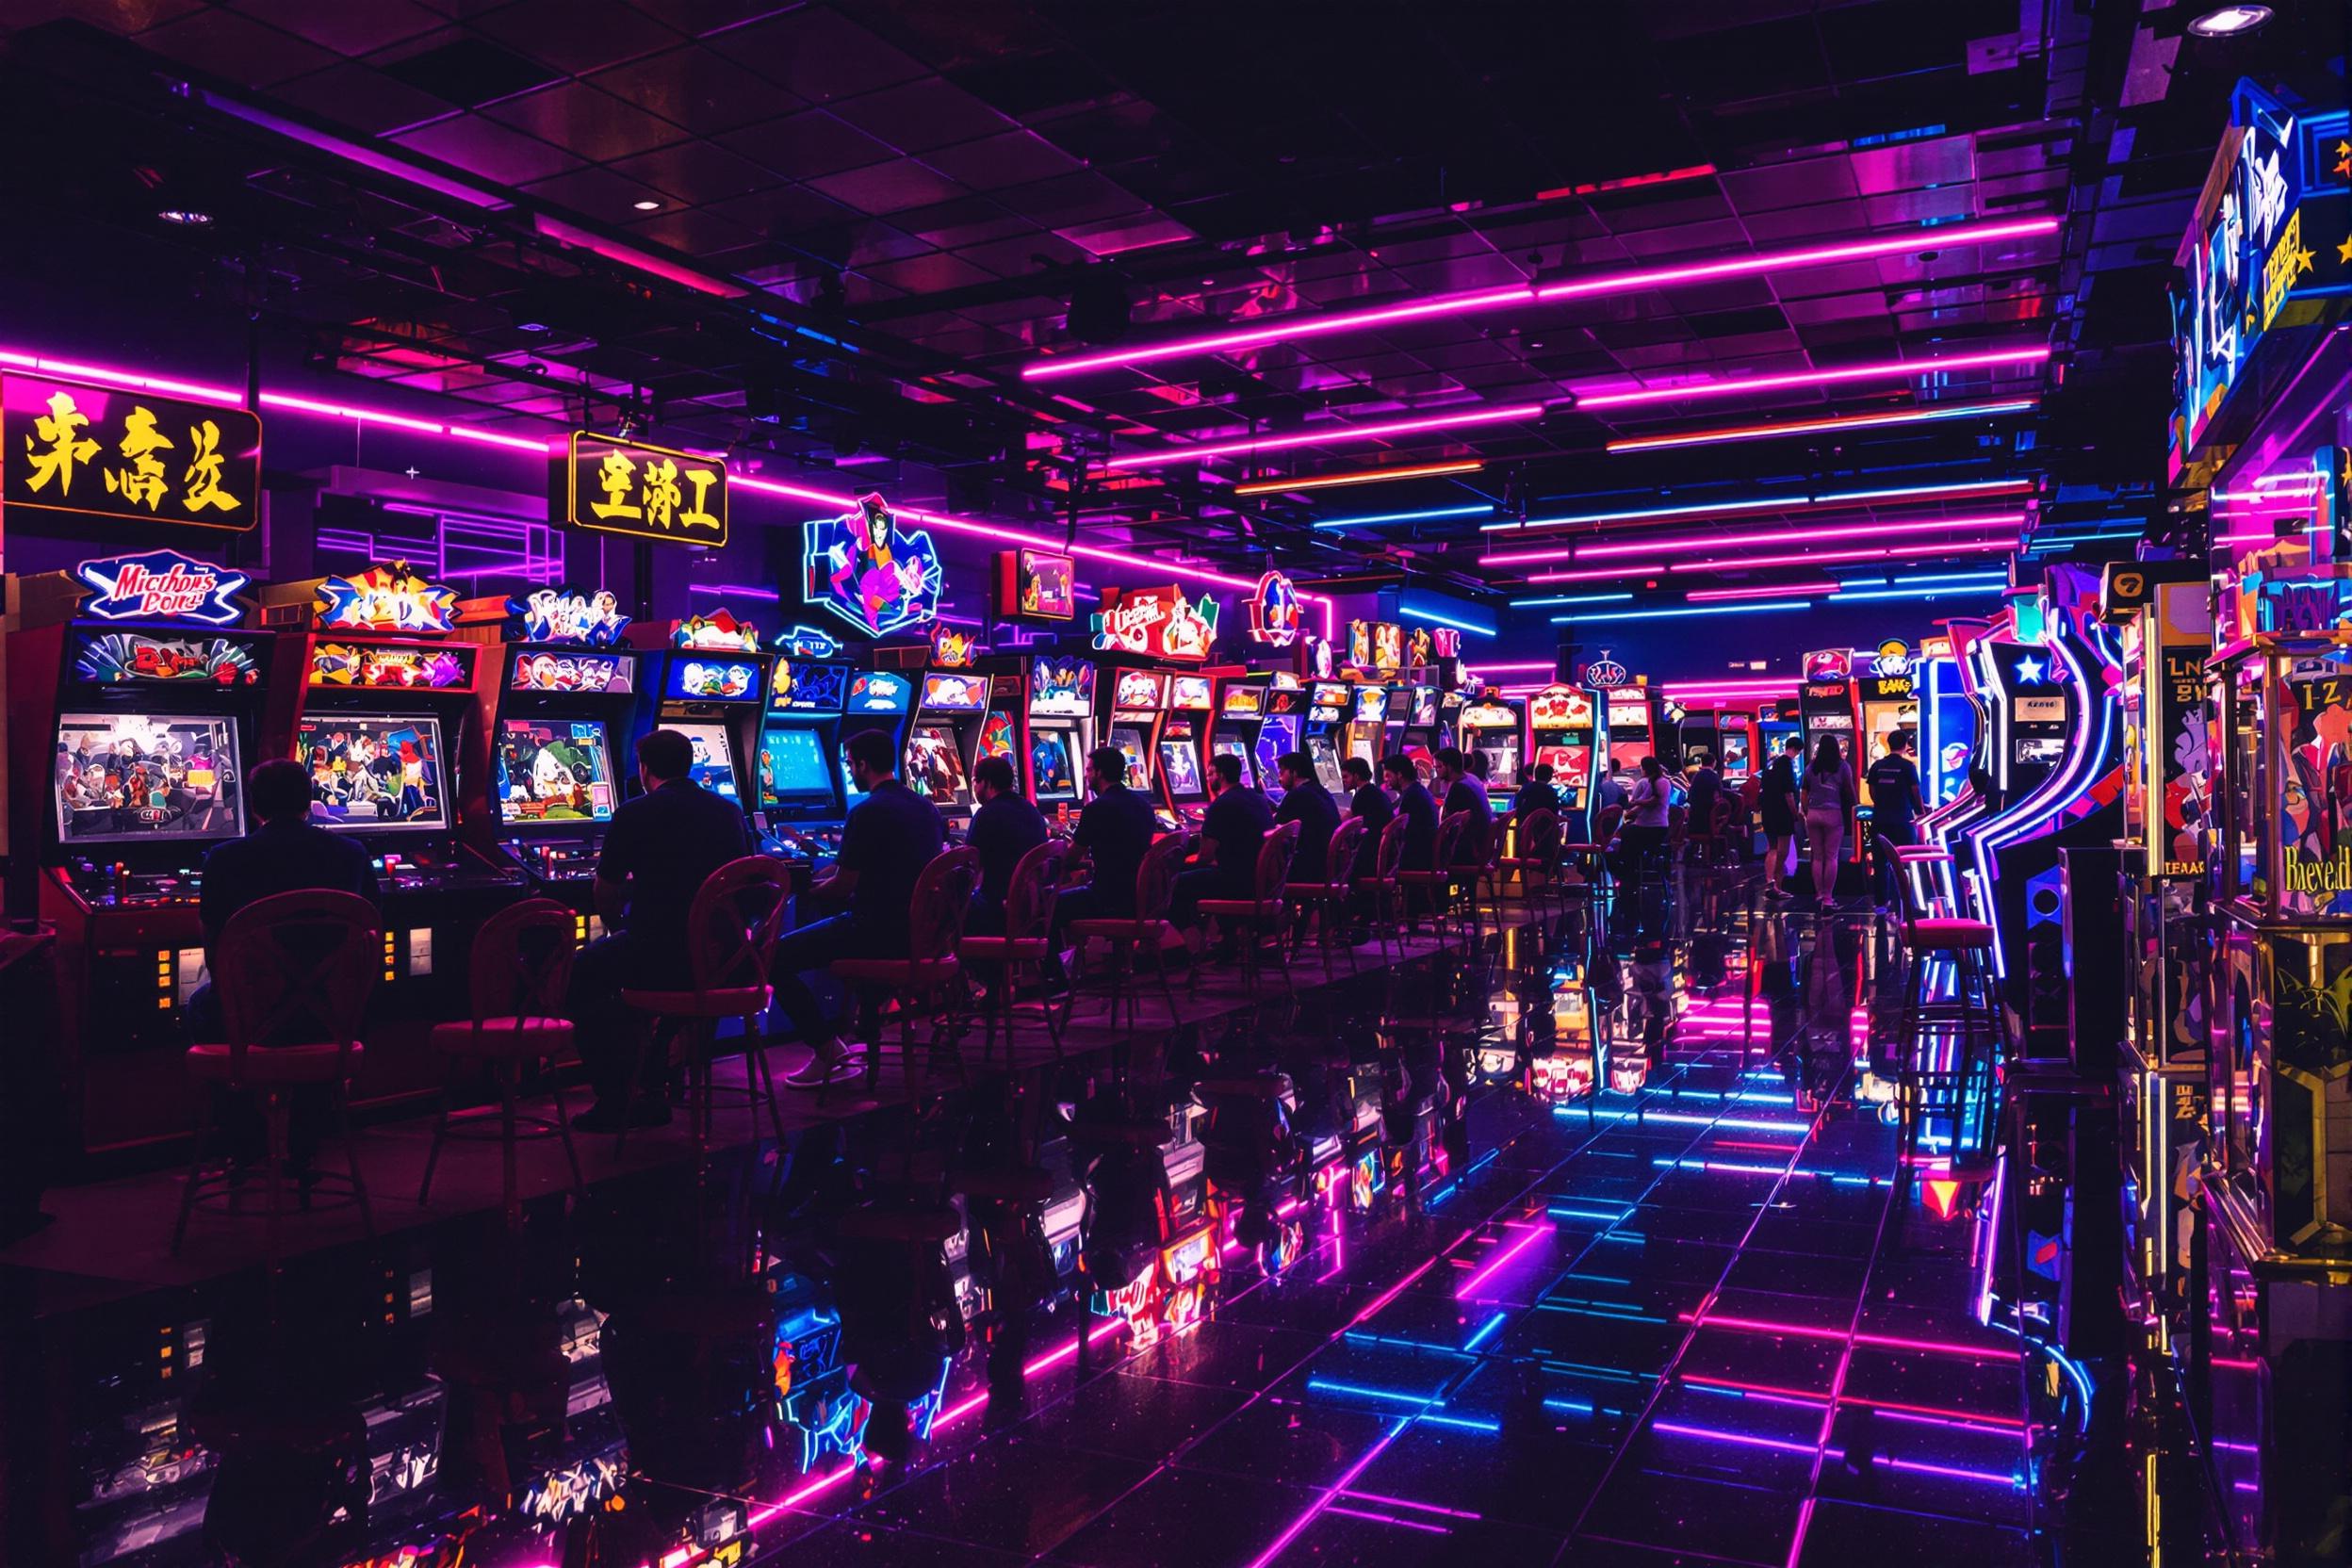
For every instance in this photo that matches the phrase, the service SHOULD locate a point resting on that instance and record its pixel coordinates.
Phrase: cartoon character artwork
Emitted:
(566, 615)
(373, 772)
(1274, 617)
(390, 597)
(127, 656)
(1063, 687)
(717, 633)
(863, 567)
(953, 648)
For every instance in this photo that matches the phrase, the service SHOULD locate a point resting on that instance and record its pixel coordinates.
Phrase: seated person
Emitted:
(1536, 793)
(1368, 803)
(1465, 793)
(890, 835)
(282, 853)
(1416, 805)
(1306, 802)
(1114, 830)
(1004, 828)
(1237, 822)
(660, 850)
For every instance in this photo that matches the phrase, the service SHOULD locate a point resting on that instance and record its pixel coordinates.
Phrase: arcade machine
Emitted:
(1279, 733)
(1729, 736)
(134, 713)
(1240, 715)
(1827, 708)
(1497, 727)
(1417, 736)
(1138, 704)
(713, 690)
(1367, 734)
(1888, 700)
(1562, 731)
(798, 792)
(1329, 705)
(1635, 730)
(1061, 732)
(562, 707)
(1949, 721)
(1183, 751)
(878, 699)
(1774, 723)
(943, 740)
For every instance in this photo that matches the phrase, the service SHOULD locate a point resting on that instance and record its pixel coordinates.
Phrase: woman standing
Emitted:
(1648, 814)
(1778, 806)
(1829, 800)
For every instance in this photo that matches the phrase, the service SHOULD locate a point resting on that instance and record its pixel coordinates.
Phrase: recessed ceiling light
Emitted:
(185, 216)
(530, 326)
(648, 205)
(2230, 21)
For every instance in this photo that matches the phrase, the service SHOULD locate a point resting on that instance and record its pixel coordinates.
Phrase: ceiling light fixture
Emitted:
(1325, 435)
(1602, 573)
(1771, 503)
(1838, 376)
(1358, 476)
(1934, 413)
(1989, 585)
(1681, 543)
(648, 205)
(187, 217)
(1675, 612)
(1372, 518)
(2230, 21)
(1569, 599)
(1823, 558)
(1698, 595)
(1634, 280)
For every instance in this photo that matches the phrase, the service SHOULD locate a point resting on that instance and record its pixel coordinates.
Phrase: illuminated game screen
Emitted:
(1326, 762)
(999, 738)
(714, 766)
(1279, 734)
(1054, 763)
(376, 771)
(138, 775)
(1182, 765)
(1233, 745)
(792, 765)
(554, 770)
(1502, 757)
(935, 764)
(1130, 744)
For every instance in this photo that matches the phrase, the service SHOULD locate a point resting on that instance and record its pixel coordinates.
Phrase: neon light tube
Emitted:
(1326, 435)
(1291, 1531)
(1404, 613)
(1905, 552)
(1877, 529)
(1361, 476)
(1407, 516)
(1825, 586)
(1544, 665)
(1604, 574)
(1632, 280)
(1570, 598)
(1773, 504)
(1992, 585)
(1385, 1519)
(1491, 1324)
(1677, 613)
(1888, 1342)
(2021, 354)
(1535, 1233)
(1932, 414)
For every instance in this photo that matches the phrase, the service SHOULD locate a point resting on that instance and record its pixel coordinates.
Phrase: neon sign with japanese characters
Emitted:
(132, 456)
(386, 598)
(1155, 623)
(566, 615)
(160, 585)
(873, 574)
(645, 492)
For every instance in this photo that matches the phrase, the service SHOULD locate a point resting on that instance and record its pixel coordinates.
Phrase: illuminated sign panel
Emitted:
(386, 598)
(121, 656)
(1036, 585)
(131, 456)
(160, 585)
(1274, 617)
(869, 571)
(544, 670)
(1061, 687)
(566, 615)
(391, 666)
(653, 493)
(1155, 623)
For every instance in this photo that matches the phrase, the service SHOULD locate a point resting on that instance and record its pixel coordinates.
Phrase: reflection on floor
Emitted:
(1595, 1249)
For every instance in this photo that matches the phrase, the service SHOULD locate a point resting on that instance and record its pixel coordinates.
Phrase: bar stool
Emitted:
(1328, 899)
(929, 981)
(293, 973)
(1437, 879)
(1131, 936)
(1027, 940)
(1382, 889)
(1265, 906)
(1975, 1002)
(517, 970)
(1537, 857)
(731, 929)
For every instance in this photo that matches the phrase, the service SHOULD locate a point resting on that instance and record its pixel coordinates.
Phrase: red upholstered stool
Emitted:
(1025, 945)
(517, 974)
(293, 973)
(731, 929)
(1265, 909)
(1131, 937)
(928, 984)
(1328, 899)
(1437, 881)
(1935, 1081)
(1534, 858)
(1382, 886)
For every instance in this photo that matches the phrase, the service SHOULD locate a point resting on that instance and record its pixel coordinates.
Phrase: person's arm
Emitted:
(1845, 789)
(842, 881)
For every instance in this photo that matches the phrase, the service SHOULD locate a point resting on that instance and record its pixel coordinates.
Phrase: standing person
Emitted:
(1004, 828)
(1237, 822)
(1703, 784)
(890, 835)
(1777, 805)
(660, 850)
(1829, 798)
(1895, 802)
(1464, 793)
(1536, 792)
(1306, 802)
(1648, 813)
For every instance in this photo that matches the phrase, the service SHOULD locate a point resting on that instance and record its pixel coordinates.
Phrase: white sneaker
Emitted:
(844, 1065)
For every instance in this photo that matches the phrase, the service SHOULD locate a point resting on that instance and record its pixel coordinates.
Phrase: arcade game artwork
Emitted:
(1051, 769)
(374, 771)
(130, 776)
(554, 770)
(934, 766)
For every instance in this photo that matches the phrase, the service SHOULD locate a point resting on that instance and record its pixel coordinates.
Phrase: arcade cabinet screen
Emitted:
(792, 765)
(1231, 746)
(714, 766)
(1326, 762)
(934, 764)
(1052, 768)
(1279, 734)
(1182, 764)
(1130, 744)
(711, 678)
(132, 776)
(554, 770)
(996, 738)
(374, 771)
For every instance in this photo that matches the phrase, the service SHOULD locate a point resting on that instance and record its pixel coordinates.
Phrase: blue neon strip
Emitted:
(1939, 591)
(1325, 1385)
(1587, 1213)
(1480, 1337)
(1411, 615)
(1574, 1407)
(1370, 518)
(1754, 503)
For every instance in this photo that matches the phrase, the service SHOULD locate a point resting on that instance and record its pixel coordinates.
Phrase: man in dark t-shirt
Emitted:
(1004, 828)
(1306, 802)
(658, 853)
(1464, 793)
(1894, 781)
(1237, 822)
(1115, 830)
(1417, 807)
(889, 837)
(1536, 791)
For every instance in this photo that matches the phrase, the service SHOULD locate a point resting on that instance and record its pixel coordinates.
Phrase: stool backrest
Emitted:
(1339, 859)
(297, 968)
(1539, 835)
(1448, 841)
(1606, 822)
(942, 897)
(1391, 853)
(521, 962)
(732, 926)
(1677, 826)
(1155, 878)
(1274, 857)
(1035, 888)
(1904, 890)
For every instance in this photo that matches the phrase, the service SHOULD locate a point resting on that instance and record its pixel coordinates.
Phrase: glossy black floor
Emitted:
(1639, 1285)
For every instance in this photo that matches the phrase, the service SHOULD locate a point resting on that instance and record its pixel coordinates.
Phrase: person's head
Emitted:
(662, 757)
(872, 757)
(1106, 769)
(1357, 772)
(1397, 772)
(1296, 767)
(1901, 742)
(278, 791)
(1651, 768)
(1793, 747)
(1543, 772)
(1698, 758)
(1477, 764)
(1450, 764)
(1825, 755)
(1225, 772)
(993, 777)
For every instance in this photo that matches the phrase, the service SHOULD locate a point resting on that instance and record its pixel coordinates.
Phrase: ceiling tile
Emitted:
(580, 119)
(597, 193)
(360, 98)
(577, 36)
(488, 149)
(805, 146)
(698, 88)
(697, 230)
(920, 115)
(886, 187)
(993, 162)
(820, 54)
(346, 29)
(235, 48)
(929, 274)
(697, 172)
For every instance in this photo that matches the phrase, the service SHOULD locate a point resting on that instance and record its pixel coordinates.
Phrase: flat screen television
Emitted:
(1234, 746)
(126, 776)
(1325, 758)
(553, 770)
(1277, 735)
(1179, 764)
(935, 764)
(714, 766)
(1054, 763)
(1130, 744)
(376, 771)
(792, 765)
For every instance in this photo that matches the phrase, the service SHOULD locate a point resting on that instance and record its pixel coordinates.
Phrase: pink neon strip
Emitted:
(1703, 511)
(1876, 530)
(2024, 355)
(1339, 1488)
(1900, 553)
(1925, 1415)
(1391, 1292)
(1408, 1502)
(1535, 1233)
(1889, 1342)
(1602, 574)
(1326, 435)
(1493, 298)
(1784, 591)
(491, 437)
(1387, 1519)
(1539, 665)
(1925, 413)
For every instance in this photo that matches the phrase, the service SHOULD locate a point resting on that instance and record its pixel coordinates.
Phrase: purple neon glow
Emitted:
(1301, 325)
(1387, 1519)
(1877, 528)
(1291, 1531)
(1410, 1503)
(1326, 435)
(1840, 375)
(1535, 1233)
(1788, 1445)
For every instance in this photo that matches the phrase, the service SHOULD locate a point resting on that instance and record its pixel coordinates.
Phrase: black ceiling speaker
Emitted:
(1098, 306)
